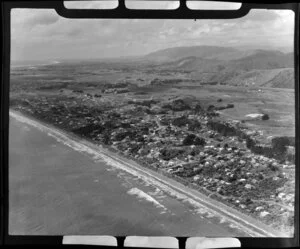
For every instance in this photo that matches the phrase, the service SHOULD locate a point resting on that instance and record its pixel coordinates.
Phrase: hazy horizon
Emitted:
(41, 34)
(285, 51)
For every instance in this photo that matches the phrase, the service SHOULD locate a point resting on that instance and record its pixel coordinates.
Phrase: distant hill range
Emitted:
(265, 68)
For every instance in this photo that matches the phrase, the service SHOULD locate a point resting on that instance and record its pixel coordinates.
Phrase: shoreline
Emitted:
(241, 221)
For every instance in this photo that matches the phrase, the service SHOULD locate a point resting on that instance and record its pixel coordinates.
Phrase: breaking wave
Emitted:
(142, 195)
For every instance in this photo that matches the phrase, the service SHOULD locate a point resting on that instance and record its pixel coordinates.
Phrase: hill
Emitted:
(175, 53)
(268, 68)
(262, 59)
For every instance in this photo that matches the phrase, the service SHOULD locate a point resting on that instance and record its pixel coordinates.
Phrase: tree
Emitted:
(199, 141)
(106, 138)
(279, 144)
(198, 108)
(192, 139)
(179, 105)
(181, 121)
(265, 117)
(189, 139)
(194, 125)
(210, 108)
(250, 142)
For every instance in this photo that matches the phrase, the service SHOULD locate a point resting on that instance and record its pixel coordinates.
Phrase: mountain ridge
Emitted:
(257, 67)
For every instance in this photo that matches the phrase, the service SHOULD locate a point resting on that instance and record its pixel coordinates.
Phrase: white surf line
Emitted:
(142, 195)
(174, 190)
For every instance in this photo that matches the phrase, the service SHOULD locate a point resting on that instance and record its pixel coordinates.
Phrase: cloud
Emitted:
(76, 32)
(37, 32)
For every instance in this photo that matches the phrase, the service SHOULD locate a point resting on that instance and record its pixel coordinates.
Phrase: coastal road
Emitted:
(57, 189)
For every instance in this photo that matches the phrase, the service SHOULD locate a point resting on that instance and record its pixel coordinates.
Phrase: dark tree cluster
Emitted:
(265, 117)
(170, 153)
(192, 139)
(223, 128)
(180, 121)
(177, 105)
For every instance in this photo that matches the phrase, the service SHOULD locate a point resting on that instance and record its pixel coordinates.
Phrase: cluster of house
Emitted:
(225, 166)
(179, 141)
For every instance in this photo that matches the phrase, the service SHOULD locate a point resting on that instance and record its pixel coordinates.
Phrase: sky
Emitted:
(41, 34)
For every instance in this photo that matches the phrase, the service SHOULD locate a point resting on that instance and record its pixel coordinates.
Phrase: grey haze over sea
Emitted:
(32, 63)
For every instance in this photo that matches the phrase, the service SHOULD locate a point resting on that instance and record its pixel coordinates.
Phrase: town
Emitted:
(182, 140)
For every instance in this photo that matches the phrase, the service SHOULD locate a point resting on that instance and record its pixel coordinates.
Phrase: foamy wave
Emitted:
(222, 220)
(142, 195)
(157, 193)
(127, 184)
(26, 128)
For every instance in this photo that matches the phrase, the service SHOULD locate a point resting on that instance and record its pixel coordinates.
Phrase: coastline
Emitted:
(248, 224)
